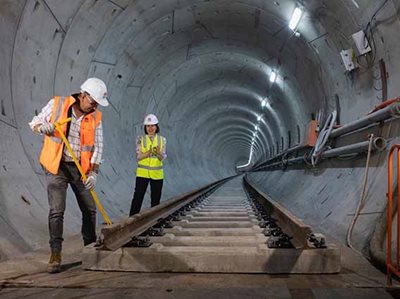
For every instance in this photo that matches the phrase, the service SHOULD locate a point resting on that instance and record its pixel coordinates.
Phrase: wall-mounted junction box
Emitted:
(348, 61)
(361, 42)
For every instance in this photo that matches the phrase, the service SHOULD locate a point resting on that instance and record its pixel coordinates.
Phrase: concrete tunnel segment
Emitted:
(203, 67)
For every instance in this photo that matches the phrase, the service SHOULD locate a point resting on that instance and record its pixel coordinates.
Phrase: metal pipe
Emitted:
(282, 162)
(296, 160)
(385, 113)
(288, 151)
(291, 150)
(378, 144)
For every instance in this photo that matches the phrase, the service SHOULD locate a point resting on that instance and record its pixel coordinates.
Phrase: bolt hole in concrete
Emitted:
(25, 200)
(37, 4)
(3, 110)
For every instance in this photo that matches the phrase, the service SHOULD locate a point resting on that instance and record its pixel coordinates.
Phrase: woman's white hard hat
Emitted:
(150, 119)
(97, 89)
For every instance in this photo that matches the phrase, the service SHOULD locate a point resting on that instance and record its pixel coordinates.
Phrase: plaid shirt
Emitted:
(74, 134)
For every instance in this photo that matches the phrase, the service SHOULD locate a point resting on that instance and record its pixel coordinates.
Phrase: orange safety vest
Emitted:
(53, 146)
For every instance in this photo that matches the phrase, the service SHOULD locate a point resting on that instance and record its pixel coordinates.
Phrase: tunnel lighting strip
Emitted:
(272, 77)
(256, 128)
(250, 156)
(264, 103)
(355, 3)
(251, 148)
(295, 19)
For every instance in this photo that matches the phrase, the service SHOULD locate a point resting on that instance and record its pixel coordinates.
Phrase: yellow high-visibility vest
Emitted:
(150, 167)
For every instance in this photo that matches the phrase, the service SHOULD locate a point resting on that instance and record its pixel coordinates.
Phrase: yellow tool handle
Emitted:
(58, 125)
(63, 122)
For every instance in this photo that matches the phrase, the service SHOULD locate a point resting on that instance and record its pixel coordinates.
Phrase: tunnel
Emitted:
(205, 68)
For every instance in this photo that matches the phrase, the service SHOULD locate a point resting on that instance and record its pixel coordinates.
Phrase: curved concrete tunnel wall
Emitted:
(203, 67)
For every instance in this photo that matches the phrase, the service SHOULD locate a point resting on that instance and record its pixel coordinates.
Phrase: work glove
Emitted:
(91, 180)
(46, 128)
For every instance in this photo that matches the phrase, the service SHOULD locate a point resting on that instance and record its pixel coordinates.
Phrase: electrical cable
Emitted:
(375, 13)
(347, 157)
(323, 137)
(361, 202)
(369, 36)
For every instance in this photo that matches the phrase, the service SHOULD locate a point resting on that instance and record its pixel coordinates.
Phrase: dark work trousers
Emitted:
(140, 190)
(57, 186)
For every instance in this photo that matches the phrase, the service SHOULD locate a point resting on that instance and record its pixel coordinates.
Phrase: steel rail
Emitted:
(290, 223)
(118, 234)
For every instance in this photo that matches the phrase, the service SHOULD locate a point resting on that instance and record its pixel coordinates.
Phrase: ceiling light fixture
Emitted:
(264, 103)
(295, 19)
(272, 77)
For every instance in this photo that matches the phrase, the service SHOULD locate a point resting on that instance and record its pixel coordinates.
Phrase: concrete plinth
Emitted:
(260, 259)
(220, 235)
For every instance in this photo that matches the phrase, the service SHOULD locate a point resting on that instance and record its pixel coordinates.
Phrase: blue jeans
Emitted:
(57, 193)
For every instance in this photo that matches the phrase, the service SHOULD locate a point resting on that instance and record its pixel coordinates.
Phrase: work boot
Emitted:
(54, 265)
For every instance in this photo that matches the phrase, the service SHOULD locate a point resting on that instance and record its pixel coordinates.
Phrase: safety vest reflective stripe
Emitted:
(56, 139)
(150, 167)
(87, 148)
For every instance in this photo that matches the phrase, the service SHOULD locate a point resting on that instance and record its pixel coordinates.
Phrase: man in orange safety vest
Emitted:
(85, 135)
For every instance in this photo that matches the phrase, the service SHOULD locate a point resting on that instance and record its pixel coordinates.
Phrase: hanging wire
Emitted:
(369, 36)
(361, 202)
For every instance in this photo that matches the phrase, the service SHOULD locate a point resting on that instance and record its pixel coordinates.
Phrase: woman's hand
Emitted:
(144, 155)
(148, 153)
(158, 149)
(155, 152)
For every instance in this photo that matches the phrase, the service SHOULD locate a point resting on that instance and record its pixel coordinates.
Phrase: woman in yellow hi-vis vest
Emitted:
(150, 153)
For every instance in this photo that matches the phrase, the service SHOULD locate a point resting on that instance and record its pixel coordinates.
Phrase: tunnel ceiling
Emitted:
(202, 66)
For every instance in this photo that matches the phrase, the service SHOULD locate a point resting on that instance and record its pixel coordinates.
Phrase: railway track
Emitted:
(228, 227)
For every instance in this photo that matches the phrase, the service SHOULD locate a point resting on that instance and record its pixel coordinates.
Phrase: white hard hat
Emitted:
(150, 119)
(97, 89)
